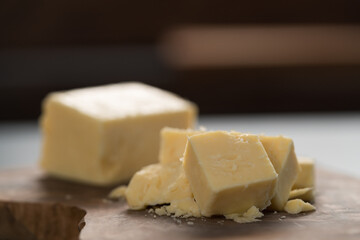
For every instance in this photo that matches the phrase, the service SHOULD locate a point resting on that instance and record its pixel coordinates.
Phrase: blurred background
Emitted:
(230, 57)
(274, 67)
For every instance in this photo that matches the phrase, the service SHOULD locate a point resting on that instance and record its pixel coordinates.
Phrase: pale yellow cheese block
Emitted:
(103, 135)
(165, 182)
(158, 184)
(229, 172)
(305, 179)
(173, 142)
(297, 206)
(282, 155)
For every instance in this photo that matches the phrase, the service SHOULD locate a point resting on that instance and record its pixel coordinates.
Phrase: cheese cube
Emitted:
(165, 182)
(103, 135)
(282, 155)
(160, 184)
(147, 187)
(228, 172)
(305, 179)
(173, 142)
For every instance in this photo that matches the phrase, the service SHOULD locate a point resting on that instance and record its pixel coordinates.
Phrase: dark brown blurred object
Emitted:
(206, 47)
(40, 221)
(249, 68)
(58, 23)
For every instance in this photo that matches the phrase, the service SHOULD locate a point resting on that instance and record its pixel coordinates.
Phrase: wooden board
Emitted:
(337, 215)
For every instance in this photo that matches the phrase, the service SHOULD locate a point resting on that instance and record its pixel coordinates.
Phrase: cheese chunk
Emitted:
(305, 179)
(165, 183)
(160, 184)
(228, 172)
(282, 155)
(103, 135)
(305, 194)
(297, 206)
(173, 142)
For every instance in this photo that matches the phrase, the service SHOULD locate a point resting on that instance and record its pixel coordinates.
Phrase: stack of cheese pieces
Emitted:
(106, 135)
(206, 173)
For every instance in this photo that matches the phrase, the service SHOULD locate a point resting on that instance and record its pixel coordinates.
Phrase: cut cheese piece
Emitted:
(173, 142)
(228, 172)
(103, 135)
(305, 194)
(282, 155)
(306, 178)
(297, 206)
(161, 184)
(165, 183)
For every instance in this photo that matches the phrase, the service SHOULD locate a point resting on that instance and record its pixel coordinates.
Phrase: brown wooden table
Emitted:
(337, 215)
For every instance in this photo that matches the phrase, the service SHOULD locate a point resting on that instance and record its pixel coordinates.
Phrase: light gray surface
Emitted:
(332, 139)
(19, 144)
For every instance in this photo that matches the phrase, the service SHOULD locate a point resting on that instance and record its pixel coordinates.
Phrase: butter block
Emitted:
(228, 172)
(103, 135)
(173, 142)
(297, 206)
(282, 155)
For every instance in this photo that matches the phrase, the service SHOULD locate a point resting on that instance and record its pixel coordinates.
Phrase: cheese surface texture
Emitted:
(305, 194)
(204, 173)
(228, 172)
(282, 155)
(103, 135)
(305, 179)
(251, 215)
(159, 184)
(173, 142)
(165, 182)
(297, 206)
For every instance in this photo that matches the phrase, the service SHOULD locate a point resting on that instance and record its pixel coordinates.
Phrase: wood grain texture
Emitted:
(40, 221)
(337, 215)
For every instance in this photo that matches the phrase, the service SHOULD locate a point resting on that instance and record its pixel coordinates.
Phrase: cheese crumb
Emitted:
(297, 206)
(251, 215)
(117, 193)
